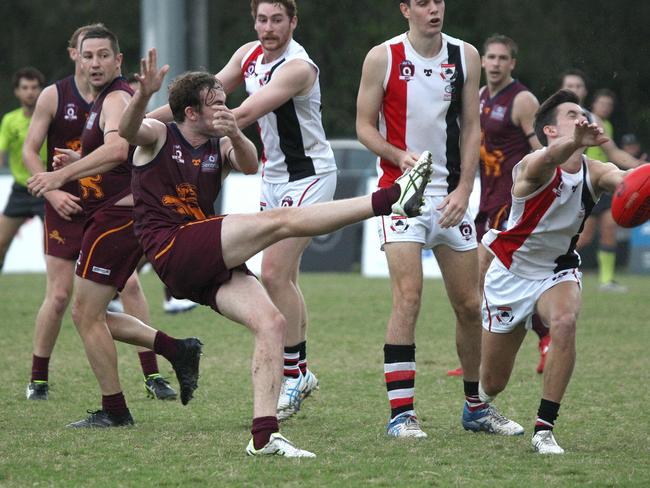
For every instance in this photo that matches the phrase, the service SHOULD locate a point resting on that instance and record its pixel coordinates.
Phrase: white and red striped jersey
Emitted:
(293, 137)
(422, 107)
(543, 228)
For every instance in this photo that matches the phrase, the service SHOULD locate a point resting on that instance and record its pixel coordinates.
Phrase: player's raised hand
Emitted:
(150, 77)
(224, 121)
(586, 134)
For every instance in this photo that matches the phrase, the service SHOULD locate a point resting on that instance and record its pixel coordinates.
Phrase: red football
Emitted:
(631, 201)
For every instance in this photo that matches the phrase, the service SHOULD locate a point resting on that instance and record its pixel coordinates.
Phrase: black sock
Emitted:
(546, 415)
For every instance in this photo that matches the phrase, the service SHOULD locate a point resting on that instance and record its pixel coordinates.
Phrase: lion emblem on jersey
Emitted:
(90, 184)
(491, 159)
(74, 144)
(185, 202)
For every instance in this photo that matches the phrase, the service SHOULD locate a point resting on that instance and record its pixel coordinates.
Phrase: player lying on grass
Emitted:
(536, 265)
(178, 172)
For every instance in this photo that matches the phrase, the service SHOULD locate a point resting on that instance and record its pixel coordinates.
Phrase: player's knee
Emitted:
(492, 384)
(275, 277)
(272, 325)
(59, 300)
(407, 297)
(468, 309)
(132, 287)
(563, 329)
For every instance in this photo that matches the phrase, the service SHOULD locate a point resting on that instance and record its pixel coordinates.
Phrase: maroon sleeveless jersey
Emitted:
(177, 187)
(503, 145)
(107, 188)
(65, 129)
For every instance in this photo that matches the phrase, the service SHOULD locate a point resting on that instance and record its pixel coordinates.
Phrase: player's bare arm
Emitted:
(605, 177)
(63, 202)
(294, 79)
(454, 205)
(369, 100)
(538, 167)
(230, 75)
(133, 126)
(113, 152)
(524, 107)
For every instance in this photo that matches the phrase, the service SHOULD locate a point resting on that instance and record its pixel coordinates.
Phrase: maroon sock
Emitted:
(168, 294)
(383, 199)
(115, 404)
(538, 326)
(166, 346)
(40, 367)
(262, 429)
(148, 362)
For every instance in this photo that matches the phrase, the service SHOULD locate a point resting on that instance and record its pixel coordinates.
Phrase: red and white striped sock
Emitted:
(399, 373)
(291, 358)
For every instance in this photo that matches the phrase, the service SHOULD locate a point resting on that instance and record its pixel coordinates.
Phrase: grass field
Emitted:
(603, 425)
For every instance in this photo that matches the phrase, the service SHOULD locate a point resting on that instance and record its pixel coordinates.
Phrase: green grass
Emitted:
(604, 423)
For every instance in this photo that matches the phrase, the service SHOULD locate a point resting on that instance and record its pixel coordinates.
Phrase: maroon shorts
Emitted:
(62, 238)
(109, 251)
(496, 218)
(191, 264)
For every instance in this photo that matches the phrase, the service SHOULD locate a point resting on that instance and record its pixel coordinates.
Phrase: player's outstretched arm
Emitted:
(605, 177)
(538, 167)
(293, 79)
(230, 75)
(132, 126)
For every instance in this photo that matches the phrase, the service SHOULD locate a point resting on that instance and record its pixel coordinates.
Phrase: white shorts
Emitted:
(426, 230)
(509, 300)
(300, 193)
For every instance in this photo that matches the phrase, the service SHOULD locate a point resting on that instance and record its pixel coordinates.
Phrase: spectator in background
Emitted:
(631, 145)
(21, 206)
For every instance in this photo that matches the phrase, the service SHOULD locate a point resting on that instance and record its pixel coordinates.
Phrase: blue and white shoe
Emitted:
(309, 385)
(290, 396)
(405, 425)
(488, 419)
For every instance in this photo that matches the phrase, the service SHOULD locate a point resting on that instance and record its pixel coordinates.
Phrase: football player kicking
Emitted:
(536, 265)
(178, 171)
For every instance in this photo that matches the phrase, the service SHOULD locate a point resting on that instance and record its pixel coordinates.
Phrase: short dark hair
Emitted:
(547, 113)
(501, 39)
(102, 33)
(185, 91)
(28, 73)
(604, 92)
(289, 5)
(574, 72)
(74, 40)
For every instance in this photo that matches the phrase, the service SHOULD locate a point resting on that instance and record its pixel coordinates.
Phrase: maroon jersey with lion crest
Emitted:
(177, 187)
(107, 188)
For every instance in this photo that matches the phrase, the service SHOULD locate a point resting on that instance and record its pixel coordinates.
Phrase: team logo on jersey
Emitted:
(55, 235)
(428, 72)
(287, 202)
(70, 112)
(74, 144)
(466, 230)
(185, 202)
(265, 79)
(558, 189)
(398, 224)
(250, 69)
(448, 73)
(91, 184)
(91, 120)
(209, 164)
(498, 113)
(196, 162)
(262, 206)
(177, 154)
(505, 315)
(406, 70)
